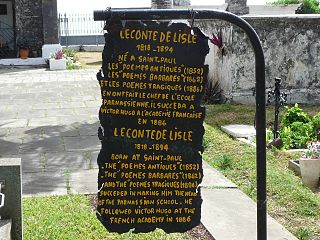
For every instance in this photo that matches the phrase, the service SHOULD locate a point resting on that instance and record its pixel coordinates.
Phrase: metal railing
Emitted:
(80, 29)
(79, 24)
(7, 41)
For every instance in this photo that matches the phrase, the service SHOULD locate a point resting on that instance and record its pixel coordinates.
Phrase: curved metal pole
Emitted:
(169, 14)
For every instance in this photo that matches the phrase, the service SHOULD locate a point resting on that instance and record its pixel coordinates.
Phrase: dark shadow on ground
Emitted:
(97, 63)
(14, 69)
(44, 154)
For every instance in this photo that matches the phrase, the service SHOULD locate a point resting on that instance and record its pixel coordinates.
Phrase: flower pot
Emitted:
(24, 53)
(58, 64)
(310, 170)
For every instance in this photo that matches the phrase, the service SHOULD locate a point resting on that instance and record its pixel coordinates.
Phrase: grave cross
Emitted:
(279, 100)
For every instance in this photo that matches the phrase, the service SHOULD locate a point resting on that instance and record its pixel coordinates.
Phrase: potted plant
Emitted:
(57, 61)
(310, 165)
(24, 49)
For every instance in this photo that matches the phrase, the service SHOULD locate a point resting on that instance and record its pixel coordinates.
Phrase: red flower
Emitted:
(216, 40)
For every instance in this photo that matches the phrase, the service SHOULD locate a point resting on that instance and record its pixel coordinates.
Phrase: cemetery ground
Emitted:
(50, 111)
(289, 202)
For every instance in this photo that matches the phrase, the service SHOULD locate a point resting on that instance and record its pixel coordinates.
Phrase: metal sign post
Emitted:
(169, 14)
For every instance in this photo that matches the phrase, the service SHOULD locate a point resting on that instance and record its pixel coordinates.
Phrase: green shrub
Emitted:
(269, 135)
(72, 63)
(306, 7)
(68, 52)
(309, 7)
(297, 135)
(223, 162)
(213, 93)
(298, 128)
(285, 2)
(303, 234)
(316, 121)
(294, 114)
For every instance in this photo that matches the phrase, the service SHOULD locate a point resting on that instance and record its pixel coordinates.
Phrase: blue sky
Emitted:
(81, 6)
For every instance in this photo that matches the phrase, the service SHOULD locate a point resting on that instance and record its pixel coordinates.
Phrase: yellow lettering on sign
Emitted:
(119, 156)
(165, 36)
(139, 34)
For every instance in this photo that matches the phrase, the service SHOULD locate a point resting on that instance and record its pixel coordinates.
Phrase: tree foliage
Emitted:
(306, 7)
(309, 7)
(286, 2)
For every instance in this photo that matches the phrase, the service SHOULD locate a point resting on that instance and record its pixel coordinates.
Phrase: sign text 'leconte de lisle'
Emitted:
(150, 165)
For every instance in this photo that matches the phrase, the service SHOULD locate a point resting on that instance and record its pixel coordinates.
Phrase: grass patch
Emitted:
(292, 204)
(289, 202)
(71, 217)
(224, 162)
(223, 114)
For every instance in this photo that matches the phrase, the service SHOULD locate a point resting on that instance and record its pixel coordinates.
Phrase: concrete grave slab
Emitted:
(212, 178)
(239, 130)
(229, 214)
(247, 141)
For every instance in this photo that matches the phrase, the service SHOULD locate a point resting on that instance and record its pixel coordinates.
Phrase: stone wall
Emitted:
(292, 52)
(36, 23)
(29, 24)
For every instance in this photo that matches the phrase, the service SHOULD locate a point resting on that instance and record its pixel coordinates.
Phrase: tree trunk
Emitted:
(161, 4)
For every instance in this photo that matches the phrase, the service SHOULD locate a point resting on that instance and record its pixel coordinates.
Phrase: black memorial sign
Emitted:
(150, 163)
